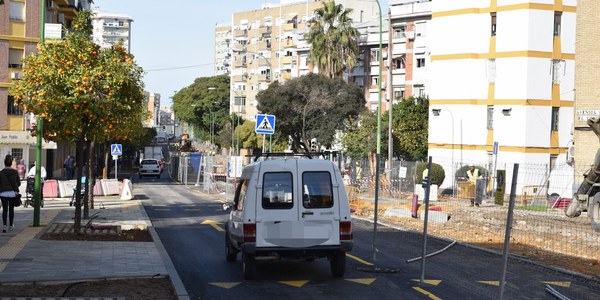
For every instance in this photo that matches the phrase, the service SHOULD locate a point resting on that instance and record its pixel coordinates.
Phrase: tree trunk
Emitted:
(106, 161)
(78, 172)
(88, 171)
(92, 174)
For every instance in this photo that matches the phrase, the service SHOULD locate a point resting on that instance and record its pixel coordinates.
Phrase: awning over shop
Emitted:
(23, 137)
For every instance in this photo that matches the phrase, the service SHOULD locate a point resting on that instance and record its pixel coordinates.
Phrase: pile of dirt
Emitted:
(136, 288)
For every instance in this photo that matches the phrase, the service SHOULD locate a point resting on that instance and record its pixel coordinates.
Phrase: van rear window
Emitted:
(317, 191)
(277, 192)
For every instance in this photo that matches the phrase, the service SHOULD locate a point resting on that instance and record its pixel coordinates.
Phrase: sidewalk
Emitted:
(24, 258)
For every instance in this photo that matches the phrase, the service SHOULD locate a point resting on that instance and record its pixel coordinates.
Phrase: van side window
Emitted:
(240, 195)
(317, 191)
(277, 191)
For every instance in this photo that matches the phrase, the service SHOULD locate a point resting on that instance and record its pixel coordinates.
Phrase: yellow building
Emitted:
(19, 36)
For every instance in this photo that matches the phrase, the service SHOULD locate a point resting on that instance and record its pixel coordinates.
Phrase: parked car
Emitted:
(289, 208)
(150, 167)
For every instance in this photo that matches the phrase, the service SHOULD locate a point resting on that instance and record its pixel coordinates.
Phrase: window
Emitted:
(17, 153)
(317, 191)
(420, 29)
(557, 65)
(375, 56)
(14, 58)
(420, 62)
(554, 124)
(490, 117)
(12, 108)
(491, 70)
(399, 95)
(399, 32)
(17, 11)
(374, 80)
(277, 191)
(557, 22)
(241, 100)
(399, 63)
(240, 197)
(493, 15)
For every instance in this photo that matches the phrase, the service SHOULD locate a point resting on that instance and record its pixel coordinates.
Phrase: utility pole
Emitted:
(390, 92)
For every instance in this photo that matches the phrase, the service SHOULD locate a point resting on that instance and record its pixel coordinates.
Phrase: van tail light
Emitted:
(250, 233)
(345, 230)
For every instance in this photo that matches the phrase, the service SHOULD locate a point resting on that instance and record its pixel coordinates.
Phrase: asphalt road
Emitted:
(190, 225)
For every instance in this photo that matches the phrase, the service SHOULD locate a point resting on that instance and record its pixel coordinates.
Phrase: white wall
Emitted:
(459, 34)
(458, 79)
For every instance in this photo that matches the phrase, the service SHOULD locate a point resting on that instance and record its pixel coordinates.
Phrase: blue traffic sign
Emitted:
(116, 149)
(495, 148)
(265, 124)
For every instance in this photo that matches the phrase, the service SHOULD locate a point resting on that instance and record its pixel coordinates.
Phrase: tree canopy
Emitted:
(205, 104)
(410, 118)
(82, 92)
(311, 107)
(333, 41)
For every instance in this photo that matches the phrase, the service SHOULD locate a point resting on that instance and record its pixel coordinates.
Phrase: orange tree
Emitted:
(83, 93)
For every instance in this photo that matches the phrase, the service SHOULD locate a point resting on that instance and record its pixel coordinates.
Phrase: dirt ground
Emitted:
(135, 288)
(138, 288)
(534, 237)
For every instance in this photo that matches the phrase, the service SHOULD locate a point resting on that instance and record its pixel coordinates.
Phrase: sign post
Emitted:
(265, 124)
(116, 150)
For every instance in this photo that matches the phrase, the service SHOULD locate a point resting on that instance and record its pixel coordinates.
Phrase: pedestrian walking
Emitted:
(69, 165)
(9, 189)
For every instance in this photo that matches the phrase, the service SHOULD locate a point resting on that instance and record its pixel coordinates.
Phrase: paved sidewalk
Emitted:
(24, 258)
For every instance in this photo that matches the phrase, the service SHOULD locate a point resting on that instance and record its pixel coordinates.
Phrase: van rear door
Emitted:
(277, 205)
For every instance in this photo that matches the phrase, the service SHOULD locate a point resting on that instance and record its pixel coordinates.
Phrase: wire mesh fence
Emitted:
(540, 230)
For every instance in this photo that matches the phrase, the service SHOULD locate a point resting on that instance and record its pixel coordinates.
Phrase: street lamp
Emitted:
(436, 112)
(378, 155)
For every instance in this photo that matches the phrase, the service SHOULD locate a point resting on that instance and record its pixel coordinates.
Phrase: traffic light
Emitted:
(314, 147)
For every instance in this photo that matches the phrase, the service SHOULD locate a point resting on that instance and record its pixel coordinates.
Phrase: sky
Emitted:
(173, 41)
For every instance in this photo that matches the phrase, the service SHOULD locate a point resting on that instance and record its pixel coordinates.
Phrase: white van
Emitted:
(289, 208)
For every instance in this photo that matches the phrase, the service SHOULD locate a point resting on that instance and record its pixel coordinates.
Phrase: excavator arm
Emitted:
(594, 123)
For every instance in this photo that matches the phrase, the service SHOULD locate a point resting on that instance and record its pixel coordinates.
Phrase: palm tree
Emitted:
(333, 40)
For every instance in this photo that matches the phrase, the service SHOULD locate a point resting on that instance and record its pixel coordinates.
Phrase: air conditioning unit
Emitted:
(410, 35)
(16, 75)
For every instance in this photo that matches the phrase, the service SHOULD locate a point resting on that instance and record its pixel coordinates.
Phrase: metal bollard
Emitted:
(415, 205)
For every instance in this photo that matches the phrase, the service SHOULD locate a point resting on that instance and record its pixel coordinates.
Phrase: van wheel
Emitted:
(248, 266)
(230, 252)
(594, 212)
(338, 263)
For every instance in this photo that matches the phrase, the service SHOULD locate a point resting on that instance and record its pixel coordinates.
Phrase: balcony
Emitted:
(286, 76)
(240, 78)
(288, 26)
(263, 77)
(262, 46)
(264, 30)
(238, 63)
(286, 60)
(288, 43)
(240, 33)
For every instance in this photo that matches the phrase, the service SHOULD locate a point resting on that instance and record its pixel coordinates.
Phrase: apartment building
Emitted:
(405, 74)
(587, 91)
(222, 50)
(110, 28)
(19, 37)
(268, 44)
(152, 101)
(502, 71)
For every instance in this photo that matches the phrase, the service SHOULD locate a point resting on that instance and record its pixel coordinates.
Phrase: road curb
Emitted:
(180, 290)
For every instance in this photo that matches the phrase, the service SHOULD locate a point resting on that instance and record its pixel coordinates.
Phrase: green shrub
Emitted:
(437, 174)
(462, 171)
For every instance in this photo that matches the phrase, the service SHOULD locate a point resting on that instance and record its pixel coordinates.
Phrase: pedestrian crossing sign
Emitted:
(265, 124)
(116, 149)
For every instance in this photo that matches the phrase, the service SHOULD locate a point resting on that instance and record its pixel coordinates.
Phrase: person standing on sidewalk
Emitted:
(9, 187)
(69, 165)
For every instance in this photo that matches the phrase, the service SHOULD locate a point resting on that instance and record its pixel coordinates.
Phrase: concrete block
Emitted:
(439, 217)
(398, 212)
(433, 192)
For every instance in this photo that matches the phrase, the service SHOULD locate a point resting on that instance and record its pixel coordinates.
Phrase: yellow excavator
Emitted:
(587, 197)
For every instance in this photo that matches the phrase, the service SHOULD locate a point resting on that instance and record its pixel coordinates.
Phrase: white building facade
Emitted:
(502, 71)
(110, 28)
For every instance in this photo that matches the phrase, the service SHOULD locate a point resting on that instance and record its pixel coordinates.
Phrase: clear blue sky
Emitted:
(177, 35)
